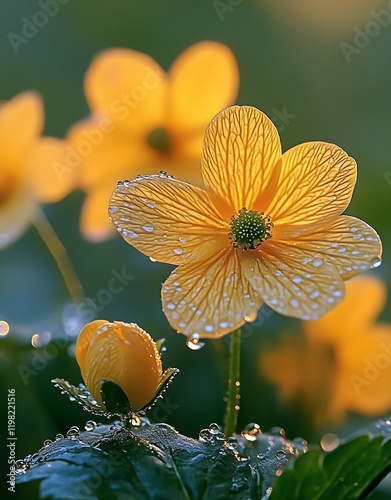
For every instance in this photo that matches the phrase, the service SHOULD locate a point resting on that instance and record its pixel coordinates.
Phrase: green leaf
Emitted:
(350, 471)
(114, 398)
(154, 461)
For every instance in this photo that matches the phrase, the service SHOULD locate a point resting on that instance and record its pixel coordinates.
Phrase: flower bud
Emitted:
(122, 353)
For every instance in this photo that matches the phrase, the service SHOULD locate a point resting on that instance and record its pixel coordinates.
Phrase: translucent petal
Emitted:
(168, 220)
(349, 244)
(84, 339)
(127, 86)
(49, 174)
(363, 383)
(365, 299)
(100, 151)
(21, 122)
(293, 282)
(95, 223)
(203, 80)
(316, 184)
(210, 299)
(240, 159)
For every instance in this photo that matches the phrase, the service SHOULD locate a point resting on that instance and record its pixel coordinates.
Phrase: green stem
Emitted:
(233, 392)
(60, 256)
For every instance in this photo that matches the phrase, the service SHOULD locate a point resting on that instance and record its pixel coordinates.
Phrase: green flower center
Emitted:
(249, 229)
(159, 140)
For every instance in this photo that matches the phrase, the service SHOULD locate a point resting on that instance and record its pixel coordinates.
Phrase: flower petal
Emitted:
(49, 175)
(365, 299)
(168, 220)
(84, 339)
(240, 159)
(203, 80)
(210, 299)
(95, 223)
(363, 383)
(292, 281)
(316, 183)
(100, 150)
(16, 212)
(21, 122)
(127, 86)
(349, 244)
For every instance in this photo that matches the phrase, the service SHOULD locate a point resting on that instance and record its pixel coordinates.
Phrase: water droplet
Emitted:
(333, 198)
(47, 442)
(317, 262)
(341, 479)
(171, 306)
(294, 303)
(150, 204)
(148, 228)
(251, 431)
(182, 239)
(90, 425)
(194, 343)
(152, 259)
(209, 328)
(250, 317)
(314, 294)
(178, 251)
(375, 263)
(131, 234)
(73, 432)
(277, 431)
(280, 454)
(223, 324)
(59, 436)
(329, 442)
(135, 421)
(297, 279)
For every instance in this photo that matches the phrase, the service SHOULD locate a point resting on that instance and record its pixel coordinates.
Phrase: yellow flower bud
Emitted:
(122, 353)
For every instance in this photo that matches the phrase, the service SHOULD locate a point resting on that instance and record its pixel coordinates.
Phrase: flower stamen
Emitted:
(249, 229)
(159, 140)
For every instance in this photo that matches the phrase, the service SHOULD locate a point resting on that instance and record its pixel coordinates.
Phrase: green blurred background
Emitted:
(291, 61)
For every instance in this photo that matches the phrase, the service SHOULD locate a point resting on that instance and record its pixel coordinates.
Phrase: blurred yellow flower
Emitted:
(145, 120)
(342, 363)
(267, 228)
(26, 159)
(122, 353)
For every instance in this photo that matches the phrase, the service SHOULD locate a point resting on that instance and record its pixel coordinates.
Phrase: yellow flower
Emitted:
(343, 362)
(145, 120)
(122, 353)
(266, 229)
(26, 175)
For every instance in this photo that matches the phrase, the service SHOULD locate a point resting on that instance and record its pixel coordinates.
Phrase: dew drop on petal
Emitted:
(182, 239)
(223, 324)
(317, 262)
(209, 328)
(178, 251)
(294, 303)
(148, 228)
(171, 306)
(375, 263)
(297, 279)
(194, 343)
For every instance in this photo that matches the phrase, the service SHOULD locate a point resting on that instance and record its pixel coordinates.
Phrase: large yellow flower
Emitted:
(342, 363)
(266, 229)
(27, 176)
(144, 120)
